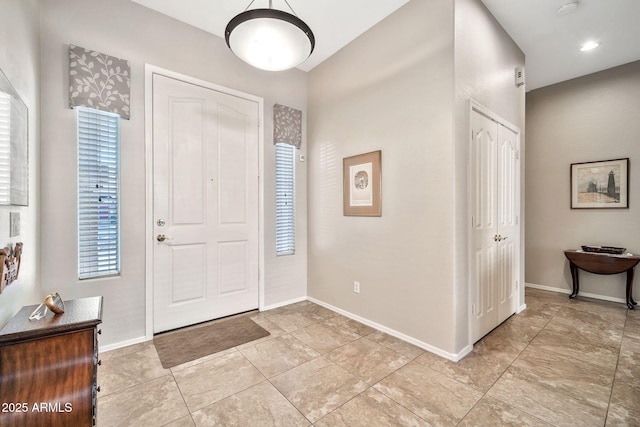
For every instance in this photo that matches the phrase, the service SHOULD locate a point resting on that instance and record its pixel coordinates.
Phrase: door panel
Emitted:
(233, 267)
(205, 160)
(187, 281)
(507, 221)
(187, 160)
(233, 175)
(484, 178)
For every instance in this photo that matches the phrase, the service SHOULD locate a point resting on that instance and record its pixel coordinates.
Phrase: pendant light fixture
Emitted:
(270, 39)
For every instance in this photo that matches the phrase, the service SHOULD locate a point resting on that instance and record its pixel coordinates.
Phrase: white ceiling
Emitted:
(550, 41)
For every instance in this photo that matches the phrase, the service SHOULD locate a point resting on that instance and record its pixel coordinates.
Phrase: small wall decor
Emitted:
(602, 184)
(9, 265)
(362, 182)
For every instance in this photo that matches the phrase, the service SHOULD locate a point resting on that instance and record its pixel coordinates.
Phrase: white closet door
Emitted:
(495, 230)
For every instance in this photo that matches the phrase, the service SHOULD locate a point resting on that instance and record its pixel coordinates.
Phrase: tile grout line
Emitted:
(183, 399)
(613, 381)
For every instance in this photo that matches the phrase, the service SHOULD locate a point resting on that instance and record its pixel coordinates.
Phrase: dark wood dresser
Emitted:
(48, 367)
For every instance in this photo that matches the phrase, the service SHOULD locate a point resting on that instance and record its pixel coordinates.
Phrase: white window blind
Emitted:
(5, 148)
(285, 200)
(98, 193)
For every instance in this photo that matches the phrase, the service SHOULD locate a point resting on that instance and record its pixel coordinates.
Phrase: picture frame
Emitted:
(362, 182)
(600, 185)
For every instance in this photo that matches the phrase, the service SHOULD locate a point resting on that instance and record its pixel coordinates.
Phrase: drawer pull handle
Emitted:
(99, 362)
(98, 389)
(99, 331)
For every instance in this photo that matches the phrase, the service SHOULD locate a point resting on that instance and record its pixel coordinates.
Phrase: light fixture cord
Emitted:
(294, 12)
(271, 6)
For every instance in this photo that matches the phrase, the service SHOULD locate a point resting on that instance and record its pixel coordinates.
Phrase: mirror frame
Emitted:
(18, 145)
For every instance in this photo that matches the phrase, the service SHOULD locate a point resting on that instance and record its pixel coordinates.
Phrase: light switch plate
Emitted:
(14, 224)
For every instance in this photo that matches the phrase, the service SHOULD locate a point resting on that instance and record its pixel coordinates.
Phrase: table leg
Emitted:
(630, 302)
(574, 280)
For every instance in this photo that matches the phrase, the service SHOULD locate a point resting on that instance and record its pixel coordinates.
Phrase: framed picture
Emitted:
(600, 185)
(362, 185)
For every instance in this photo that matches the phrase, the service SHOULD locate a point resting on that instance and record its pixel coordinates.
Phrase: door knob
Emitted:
(162, 238)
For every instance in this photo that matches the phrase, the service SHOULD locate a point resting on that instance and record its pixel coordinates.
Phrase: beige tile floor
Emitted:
(558, 363)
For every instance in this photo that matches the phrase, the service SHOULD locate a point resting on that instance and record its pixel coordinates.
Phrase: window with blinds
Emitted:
(5, 148)
(285, 200)
(98, 193)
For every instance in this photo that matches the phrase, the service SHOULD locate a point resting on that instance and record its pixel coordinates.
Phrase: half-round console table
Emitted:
(599, 263)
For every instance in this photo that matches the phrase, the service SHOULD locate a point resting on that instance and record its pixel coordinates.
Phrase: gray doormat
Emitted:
(187, 344)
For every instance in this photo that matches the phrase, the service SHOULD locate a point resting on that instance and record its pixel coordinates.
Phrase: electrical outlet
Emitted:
(356, 287)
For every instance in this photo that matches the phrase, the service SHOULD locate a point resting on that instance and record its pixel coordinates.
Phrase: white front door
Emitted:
(494, 221)
(205, 203)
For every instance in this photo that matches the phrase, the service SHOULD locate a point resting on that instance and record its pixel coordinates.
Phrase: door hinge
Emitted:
(517, 220)
(517, 154)
(472, 222)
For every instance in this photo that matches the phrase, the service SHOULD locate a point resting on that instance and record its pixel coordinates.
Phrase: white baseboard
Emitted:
(580, 294)
(455, 357)
(104, 348)
(521, 308)
(282, 304)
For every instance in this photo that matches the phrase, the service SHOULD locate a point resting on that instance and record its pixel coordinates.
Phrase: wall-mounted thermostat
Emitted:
(519, 76)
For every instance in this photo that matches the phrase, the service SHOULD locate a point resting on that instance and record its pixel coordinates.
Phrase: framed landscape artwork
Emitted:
(598, 185)
(362, 182)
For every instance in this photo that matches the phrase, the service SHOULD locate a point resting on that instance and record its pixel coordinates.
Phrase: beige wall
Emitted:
(391, 90)
(20, 61)
(404, 88)
(485, 62)
(586, 119)
(130, 31)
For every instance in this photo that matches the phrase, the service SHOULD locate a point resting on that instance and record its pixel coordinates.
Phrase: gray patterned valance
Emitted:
(98, 81)
(287, 125)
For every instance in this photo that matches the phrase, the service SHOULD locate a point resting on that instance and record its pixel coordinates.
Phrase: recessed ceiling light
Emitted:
(567, 7)
(589, 46)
